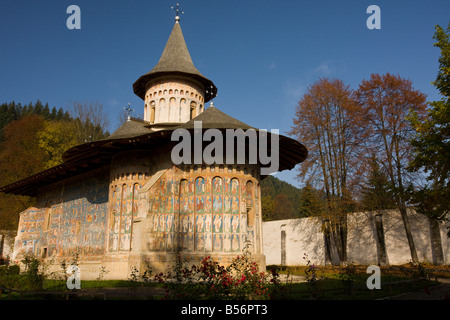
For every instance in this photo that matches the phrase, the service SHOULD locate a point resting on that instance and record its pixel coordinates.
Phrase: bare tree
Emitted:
(91, 121)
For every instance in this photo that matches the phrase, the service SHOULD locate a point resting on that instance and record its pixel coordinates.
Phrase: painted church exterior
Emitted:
(122, 203)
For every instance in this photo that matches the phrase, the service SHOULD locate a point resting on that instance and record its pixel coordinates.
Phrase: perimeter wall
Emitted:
(286, 242)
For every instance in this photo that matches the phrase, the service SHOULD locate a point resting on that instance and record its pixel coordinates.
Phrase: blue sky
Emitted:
(261, 55)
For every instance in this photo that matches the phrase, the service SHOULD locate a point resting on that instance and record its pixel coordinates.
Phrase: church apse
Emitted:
(201, 210)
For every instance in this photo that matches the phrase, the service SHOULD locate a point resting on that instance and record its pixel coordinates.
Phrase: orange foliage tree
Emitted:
(386, 101)
(328, 122)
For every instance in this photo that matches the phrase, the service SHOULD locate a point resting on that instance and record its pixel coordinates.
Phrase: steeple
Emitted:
(176, 58)
(174, 90)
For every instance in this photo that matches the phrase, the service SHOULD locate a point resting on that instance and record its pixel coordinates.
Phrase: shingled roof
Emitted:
(175, 60)
(214, 118)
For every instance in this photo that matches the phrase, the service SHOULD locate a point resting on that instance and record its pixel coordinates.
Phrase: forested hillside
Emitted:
(281, 200)
(33, 138)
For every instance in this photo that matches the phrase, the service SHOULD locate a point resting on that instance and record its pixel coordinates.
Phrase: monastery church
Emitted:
(122, 203)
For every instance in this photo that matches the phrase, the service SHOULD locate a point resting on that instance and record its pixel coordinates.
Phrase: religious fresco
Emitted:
(201, 211)
(204, 212)
(123, 208)
(68, 222)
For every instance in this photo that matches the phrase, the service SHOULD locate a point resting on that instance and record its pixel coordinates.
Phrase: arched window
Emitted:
(193, 110)
(173, 114)
(152, 111)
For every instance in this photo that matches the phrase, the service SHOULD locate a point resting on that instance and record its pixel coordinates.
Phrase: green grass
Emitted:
(395, 280)
(334, 289)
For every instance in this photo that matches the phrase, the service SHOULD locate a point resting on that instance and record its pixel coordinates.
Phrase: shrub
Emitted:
(33, 277)
(241, 279)
(311, 277)
(9, 276)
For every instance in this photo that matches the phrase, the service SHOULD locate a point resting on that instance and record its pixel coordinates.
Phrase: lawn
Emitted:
(329, 283)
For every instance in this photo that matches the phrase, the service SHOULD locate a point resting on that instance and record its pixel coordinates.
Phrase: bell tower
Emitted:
(174, 91)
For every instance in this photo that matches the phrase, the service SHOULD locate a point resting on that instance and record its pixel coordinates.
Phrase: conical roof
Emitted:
(175, 60)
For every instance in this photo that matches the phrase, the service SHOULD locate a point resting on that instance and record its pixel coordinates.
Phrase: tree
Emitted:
(33, 138)
(91, 121)
(20, 157)
(386, 101)
(8, 112)
(267, 207)
(55, 138)
(377, 194)
(20, 154)
(328, 121)
(431, 142)
(311, 203)
(431, 150)
(283, 208)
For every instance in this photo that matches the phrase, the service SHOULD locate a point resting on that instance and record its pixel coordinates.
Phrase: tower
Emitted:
(174, 91)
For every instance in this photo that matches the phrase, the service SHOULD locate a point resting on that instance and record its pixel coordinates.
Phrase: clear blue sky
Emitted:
(262, 55)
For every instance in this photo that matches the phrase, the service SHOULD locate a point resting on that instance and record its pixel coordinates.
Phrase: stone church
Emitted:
(122, 203)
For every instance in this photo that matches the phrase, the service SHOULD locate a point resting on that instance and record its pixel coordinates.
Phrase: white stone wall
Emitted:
(304, 236)
(7, 242)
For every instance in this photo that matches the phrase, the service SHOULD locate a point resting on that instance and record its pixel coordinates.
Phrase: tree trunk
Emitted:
(436, 242)
(343, 239)
(381, 244)
(412, 246)
(327, 240)
(339, 234)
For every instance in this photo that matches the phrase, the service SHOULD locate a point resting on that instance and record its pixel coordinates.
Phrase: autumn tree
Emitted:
(20, 157)
(327, 121)
(283, 208)
(267, 207)
(386, 101)
(55, 138)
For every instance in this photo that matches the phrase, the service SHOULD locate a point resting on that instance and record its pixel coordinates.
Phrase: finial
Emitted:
(177, 8)
(129, 111)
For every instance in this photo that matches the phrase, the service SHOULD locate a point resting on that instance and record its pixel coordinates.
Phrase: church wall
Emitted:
(69, 217)
(195, 210)
(204, 210)
(142, 211)
(7, 243)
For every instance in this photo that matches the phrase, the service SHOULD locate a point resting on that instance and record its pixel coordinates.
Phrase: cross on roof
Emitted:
(129, 111)
(177, 8)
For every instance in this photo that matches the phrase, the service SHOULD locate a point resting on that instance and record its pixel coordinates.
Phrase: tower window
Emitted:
(193, 110)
